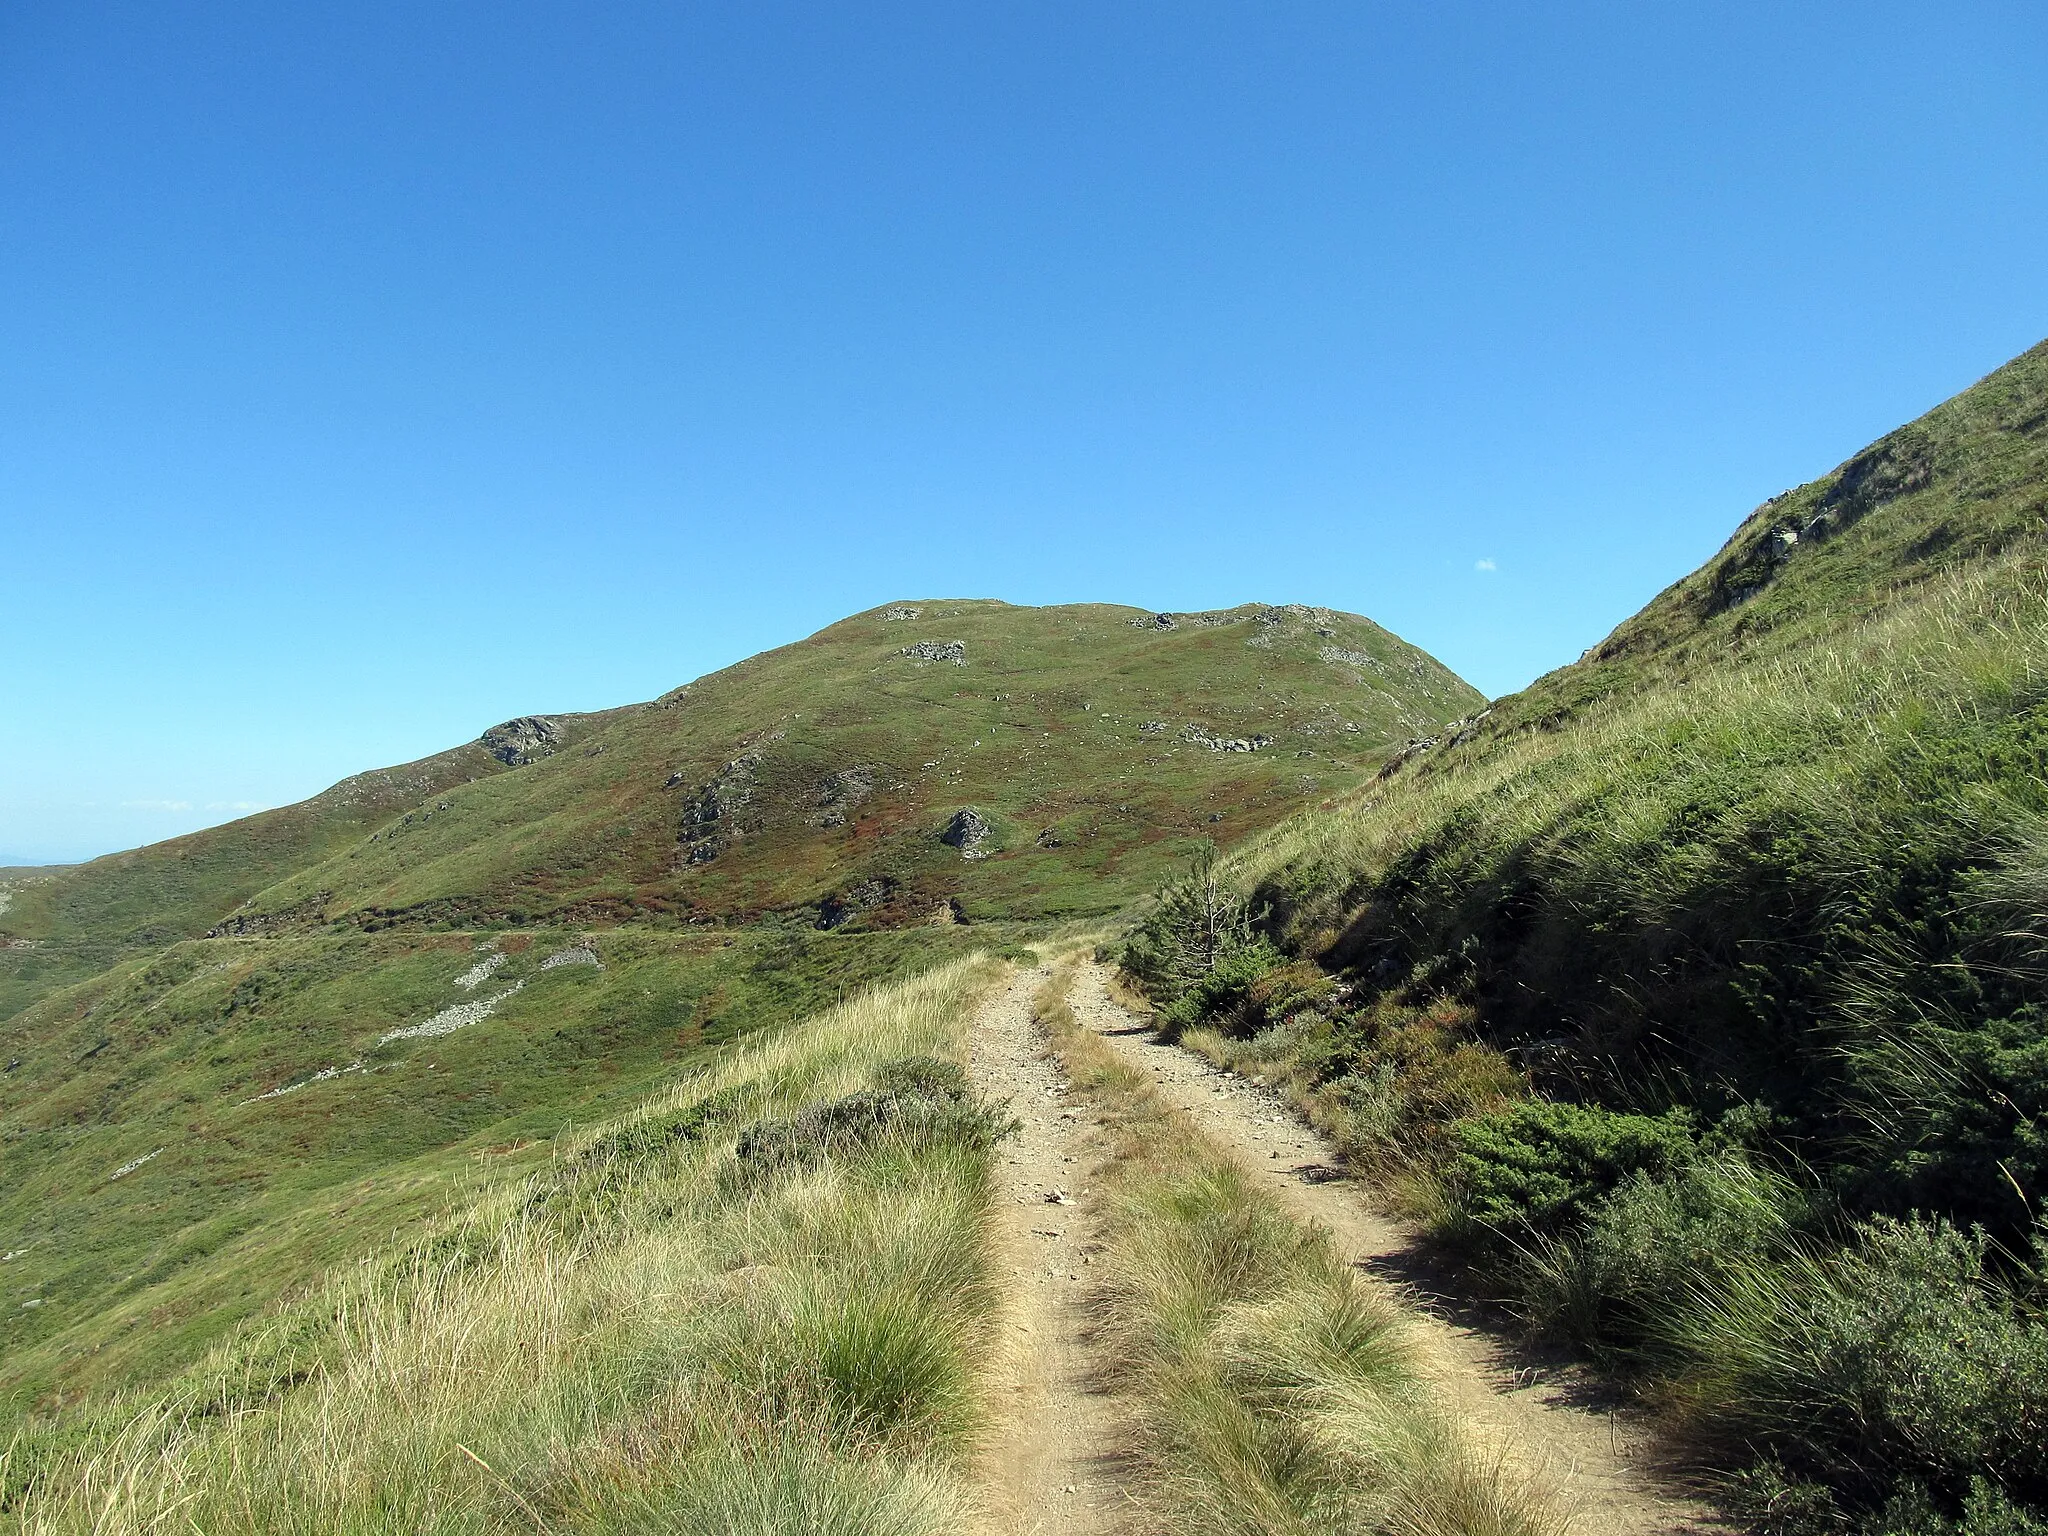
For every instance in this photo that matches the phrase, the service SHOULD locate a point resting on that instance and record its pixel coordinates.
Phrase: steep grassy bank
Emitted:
(1274, 1392)
(756, 1303)
(1697, 994)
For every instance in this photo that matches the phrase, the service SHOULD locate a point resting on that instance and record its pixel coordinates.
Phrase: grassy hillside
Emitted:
(191, 1135)
(1751, 900)
(700, 1316)
(1089, 744)
(234, 1058)
(1069, 750)
(60, 926)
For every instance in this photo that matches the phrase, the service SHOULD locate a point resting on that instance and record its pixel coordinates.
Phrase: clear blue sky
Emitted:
(372, 372)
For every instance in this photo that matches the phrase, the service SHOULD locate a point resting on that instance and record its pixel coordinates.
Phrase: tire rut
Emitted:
(1049, 1462)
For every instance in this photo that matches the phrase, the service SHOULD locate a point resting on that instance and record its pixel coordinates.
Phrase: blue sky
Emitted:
(372, 372)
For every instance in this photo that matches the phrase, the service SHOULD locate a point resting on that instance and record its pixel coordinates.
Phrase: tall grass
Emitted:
(1810, 877)
(640, 1339)
(1794, 891)
(1274, 1392)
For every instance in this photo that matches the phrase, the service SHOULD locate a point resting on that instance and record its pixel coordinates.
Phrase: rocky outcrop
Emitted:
(1896, 466)
(1202, 736)
(898, 615)
(954, 651)
(840, 794)
(256, 925)
(841, 908)
(1291, 621)
(968, 831)
(1455, 734)
(525, 740)
(714, 819)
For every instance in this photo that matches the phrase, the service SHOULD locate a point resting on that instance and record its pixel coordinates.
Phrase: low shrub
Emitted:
(921, 1100)
(1539, 1166)
(1771, 1502)
(1404, 1075)
(1223, 993)
(1646, 1248)
(1904, 1358)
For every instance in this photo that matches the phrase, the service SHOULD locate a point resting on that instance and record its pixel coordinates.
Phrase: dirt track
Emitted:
(1050, 1463)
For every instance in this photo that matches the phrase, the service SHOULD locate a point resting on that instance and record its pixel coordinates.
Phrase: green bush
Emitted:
(1647, 1246)
(1539, 1167)
(920, 1099)
(1772, 1502)
(1906, 1357)
(1199, 922)
(1225, 990)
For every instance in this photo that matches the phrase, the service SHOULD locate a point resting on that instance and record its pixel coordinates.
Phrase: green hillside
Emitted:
(1071, 750)
(238, 1057)
(823, 774)
(1699, 993)
(64, 925)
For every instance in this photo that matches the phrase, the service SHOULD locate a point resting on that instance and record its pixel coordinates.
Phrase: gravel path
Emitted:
(1049, 1463)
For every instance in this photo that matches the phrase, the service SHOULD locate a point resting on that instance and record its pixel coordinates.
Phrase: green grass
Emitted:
(619, 1341)
(251, 1196)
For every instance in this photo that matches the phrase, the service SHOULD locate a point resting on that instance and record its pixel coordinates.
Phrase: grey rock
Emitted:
(954, 651)
(525, 740)
(1202, 736)
(839, 794)
(967, 831)
(898, 615)
(838, 910)
(714, 818)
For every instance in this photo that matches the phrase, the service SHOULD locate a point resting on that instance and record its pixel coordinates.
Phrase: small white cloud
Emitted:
(236, 805)
(1484, 565)
(156, 805)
